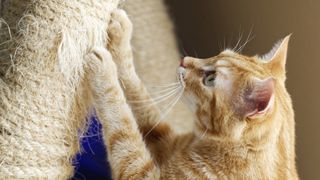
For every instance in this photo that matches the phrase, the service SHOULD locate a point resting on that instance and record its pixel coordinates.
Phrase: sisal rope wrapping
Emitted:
(155, 52)
(43, 97)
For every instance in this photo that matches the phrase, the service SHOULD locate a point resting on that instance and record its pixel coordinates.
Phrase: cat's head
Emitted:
(235, 96)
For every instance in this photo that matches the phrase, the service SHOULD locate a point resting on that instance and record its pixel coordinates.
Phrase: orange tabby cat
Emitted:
(244, 126)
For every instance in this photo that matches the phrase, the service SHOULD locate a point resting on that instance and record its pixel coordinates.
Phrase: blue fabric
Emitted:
(91, 162)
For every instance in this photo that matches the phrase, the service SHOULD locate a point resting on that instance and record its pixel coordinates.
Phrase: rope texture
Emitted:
(43, 96)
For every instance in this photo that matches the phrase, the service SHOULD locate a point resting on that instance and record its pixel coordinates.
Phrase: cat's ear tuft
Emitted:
(259, 98)
(276, 58)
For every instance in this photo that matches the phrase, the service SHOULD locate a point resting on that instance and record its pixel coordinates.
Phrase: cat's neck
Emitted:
(273, 158)
(276, 158)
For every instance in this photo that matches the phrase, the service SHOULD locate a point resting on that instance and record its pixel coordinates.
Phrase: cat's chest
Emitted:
(221, 166)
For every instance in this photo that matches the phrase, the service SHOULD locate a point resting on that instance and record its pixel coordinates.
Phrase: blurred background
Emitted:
(204, 26)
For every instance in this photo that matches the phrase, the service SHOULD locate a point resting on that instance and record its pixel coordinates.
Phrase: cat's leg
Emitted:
(148, 115)
(127, 152)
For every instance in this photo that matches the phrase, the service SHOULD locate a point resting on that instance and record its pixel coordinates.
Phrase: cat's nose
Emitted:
(182, 63)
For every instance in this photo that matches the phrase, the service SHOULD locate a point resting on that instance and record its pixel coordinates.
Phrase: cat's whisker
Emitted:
(143, 106)
(157, 98)
(164, 90)
(165, 85)
(172, 105)
(169, 107)
(243, 46)
(238, 42)
(176, 90)
(248, 39)
(160, 91)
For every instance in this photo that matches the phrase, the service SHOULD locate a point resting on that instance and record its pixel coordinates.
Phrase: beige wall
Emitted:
(204, 24)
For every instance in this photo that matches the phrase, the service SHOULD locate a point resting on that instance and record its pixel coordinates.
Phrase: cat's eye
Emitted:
(209, 78)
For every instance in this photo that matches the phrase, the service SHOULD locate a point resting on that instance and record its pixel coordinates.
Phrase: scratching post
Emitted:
(155, 51)
(43, 99)
(43, 94)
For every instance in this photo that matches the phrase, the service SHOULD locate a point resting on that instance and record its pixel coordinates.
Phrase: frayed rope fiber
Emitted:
(43, 95)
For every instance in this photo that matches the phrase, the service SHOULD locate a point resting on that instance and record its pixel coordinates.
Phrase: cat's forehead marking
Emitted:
(208, 68)
(222, 62)
(220, 65)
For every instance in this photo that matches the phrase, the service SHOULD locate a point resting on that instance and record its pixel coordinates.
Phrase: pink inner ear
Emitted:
(258, 100)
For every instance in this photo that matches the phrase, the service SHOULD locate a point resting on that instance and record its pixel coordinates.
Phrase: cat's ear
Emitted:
(277, 57)
(259, 98)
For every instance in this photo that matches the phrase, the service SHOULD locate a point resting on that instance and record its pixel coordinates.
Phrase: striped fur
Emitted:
(226, 143)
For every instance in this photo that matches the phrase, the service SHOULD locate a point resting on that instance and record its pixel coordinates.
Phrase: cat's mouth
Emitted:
(181, 74)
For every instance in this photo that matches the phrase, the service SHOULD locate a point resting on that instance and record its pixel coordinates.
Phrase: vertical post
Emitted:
(43, 99)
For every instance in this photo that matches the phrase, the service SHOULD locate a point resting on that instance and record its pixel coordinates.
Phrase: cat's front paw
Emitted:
(119, 32)
(101, 66)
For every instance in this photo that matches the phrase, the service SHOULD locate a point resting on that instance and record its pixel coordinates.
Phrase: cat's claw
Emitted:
(120, 30)
(100, 63)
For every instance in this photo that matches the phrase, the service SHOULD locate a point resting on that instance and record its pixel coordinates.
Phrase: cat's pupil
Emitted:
(209, 78)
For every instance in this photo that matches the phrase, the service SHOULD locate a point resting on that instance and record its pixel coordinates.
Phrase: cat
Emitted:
(244, 127)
